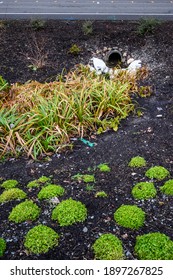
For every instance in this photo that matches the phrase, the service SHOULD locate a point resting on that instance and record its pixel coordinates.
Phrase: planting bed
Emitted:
(147, 134)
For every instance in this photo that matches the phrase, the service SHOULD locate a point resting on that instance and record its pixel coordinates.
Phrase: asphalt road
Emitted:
(86, 9)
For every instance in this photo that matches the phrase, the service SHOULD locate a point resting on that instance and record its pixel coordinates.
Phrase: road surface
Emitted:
(86, 9)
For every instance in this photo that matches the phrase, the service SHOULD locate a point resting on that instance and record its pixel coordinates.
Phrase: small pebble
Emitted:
(85, 229)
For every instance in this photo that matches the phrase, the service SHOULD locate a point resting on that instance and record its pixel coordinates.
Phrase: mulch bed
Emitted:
(149, 136)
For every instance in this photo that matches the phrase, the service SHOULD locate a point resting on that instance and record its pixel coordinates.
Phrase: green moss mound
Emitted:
(101, 194)
(154, 246)
(167, 188)
(2, 246)
(40, 239)
(108, 247)
(144, 190)
(50, 191)
(103, 167)
(137, 162)
(157, 172)
(130, 216)
(24, 211)
(12, 194)
(69, 212)
(9, 184)
(87, 178)
(39, 182)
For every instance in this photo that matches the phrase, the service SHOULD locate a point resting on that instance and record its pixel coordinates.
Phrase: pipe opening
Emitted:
(113, 58)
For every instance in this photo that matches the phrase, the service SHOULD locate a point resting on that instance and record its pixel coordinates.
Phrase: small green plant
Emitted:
(108, 247)
(89, 187)
(24, 211)
(4, 86)
(12, 194)
(147, 26)
(154, 246)
(40, 239)
(74, 49)
(144, 190)
(137, 162)
(39, 182)
(167, 188)
(103, 167)
(2, 246)
(88, 178)
(9, 184)
(157, 172)
(50, 191)
(69, 212)
(37, 24)
(87, 27)
(129, 216)
(101, 194)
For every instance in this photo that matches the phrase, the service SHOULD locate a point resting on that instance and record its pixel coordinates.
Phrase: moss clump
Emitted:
(101, 194)
(144, 190)
(154, 246)
(50, 191)
(9, 184)
(2, 246)
(137, 162)
(12, 194)
(108, 247)
(130, 216)
(87, 178)
(40, 239)
(39, 182)
(167, 188)
(157, 172)
(103, 167)
(24, 211)
(69, 212)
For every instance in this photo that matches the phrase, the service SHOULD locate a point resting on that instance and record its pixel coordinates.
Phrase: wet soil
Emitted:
(149, 135)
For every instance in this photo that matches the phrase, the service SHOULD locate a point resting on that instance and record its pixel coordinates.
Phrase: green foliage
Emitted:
(137, 162)
(9, 184)
(154, 246)
(12, 194)
(4, 86)
(40, 239)
(39, 182)
(50, 191)
(24, 211)
(167, 188)
(144, 190)
(101, 194)
(157, 172)
(130, 216)
(87, 27)
(103, 167)
(37, 24)
(2, 246)
(69, 212)
(89, 187)
(147, 26)
(74, 49)
(87, 178)
(108, 247)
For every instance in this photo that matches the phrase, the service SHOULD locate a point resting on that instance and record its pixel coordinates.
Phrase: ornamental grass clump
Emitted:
(137, 162)
(45, 116)
(129, 216)
(50, 191)
(157, 172)
(9, 184)
(12, 194)
(108, 247)
(40, 239)
(154, 246)
(25, 211)
(2, 246)
(144, 190)
(69, 212)
(167, 188)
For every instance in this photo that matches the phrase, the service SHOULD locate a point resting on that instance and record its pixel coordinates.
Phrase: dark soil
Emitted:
(149, 136)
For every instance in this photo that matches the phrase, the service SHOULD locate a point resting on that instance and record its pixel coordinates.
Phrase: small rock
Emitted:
(130, 60)
(105, 49)
(125, 236)
(159, 116)
(85, 229)
(124, 54)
